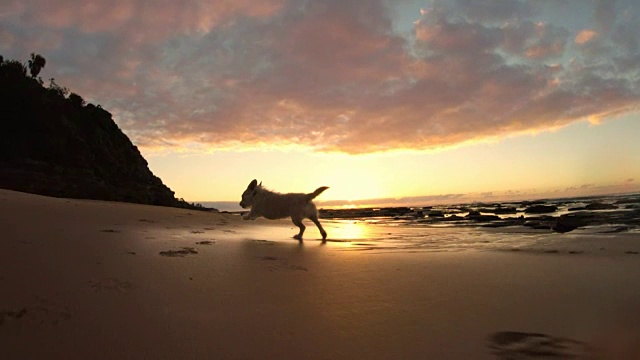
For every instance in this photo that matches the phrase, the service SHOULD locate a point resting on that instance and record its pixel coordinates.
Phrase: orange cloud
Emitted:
(585, 36)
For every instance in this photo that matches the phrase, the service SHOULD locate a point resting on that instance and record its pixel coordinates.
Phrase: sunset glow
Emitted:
(408, 102)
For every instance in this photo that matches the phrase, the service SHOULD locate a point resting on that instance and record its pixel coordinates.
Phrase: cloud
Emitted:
(332, 75)
(604, 14)
(138, 20)
(403, 201)
(585, 36)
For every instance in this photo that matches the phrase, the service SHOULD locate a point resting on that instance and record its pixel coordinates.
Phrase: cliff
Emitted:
(57, 145)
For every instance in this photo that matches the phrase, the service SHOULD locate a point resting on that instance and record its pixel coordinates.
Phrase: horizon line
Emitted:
(433, 200)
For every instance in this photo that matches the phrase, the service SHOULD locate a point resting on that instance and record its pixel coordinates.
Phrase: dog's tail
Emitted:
(316, 193)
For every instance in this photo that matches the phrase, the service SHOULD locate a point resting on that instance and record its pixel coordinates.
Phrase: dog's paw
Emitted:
(298, 237)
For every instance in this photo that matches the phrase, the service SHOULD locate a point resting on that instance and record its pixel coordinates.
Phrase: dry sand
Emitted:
(98, 280)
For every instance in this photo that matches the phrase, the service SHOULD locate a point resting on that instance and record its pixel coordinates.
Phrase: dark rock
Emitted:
(499, 210)
(541, 209)
(600, 206)
(475, 215)
(570, 222)
(436, 213)
(394, 211)
(483, 218)
(628, 201)
(531, 203)
(564, 225)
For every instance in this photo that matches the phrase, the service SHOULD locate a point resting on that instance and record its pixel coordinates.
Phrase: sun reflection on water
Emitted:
(346, 231)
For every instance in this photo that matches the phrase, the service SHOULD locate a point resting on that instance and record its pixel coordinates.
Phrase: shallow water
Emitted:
(375, 236)
(371, 231)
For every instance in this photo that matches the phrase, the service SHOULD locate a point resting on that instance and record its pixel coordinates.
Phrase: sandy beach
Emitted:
(102, 280)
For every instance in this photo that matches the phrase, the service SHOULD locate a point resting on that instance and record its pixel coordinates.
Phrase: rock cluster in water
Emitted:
(618, 214)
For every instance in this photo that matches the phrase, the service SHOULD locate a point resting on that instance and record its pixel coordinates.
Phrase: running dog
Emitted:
(273, 205)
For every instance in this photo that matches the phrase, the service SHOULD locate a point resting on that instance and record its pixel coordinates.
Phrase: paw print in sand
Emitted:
(520, 345)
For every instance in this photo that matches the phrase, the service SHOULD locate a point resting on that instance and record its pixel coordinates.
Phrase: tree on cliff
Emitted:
(36, 63)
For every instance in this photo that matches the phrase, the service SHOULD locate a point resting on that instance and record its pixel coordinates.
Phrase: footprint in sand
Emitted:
(110, 284)
(179, 253)
(206, 242)
(41, 312)
(264, 242)
(109, 231)
(520, 345)
(12, 314)
(282, 264)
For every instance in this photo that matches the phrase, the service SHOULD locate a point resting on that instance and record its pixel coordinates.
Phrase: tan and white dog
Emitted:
(273, 205)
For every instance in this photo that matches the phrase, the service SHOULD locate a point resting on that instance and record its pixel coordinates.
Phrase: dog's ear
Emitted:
(253, 184)
(260, 183)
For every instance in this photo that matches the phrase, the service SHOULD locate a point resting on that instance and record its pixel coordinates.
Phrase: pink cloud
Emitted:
(137, 18)
(331, 75)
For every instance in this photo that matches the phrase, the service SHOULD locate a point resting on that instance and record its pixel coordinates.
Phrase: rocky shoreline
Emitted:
(614, 213)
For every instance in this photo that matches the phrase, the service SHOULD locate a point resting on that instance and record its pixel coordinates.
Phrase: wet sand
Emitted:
(89, 279)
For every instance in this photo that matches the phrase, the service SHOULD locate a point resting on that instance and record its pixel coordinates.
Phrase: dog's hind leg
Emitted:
(298, 223)
(317, 222)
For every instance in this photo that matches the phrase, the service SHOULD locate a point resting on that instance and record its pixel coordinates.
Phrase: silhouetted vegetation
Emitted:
(55, 145)
(36, 63)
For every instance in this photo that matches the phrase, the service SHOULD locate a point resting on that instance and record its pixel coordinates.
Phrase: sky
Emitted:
(385, 102)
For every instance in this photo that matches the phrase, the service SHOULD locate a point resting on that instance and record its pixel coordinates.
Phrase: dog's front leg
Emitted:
(251, 215)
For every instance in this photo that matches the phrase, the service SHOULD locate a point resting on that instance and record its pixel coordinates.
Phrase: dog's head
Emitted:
(249, 194)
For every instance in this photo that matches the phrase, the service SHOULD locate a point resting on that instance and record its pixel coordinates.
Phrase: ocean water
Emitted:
(609, 225)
